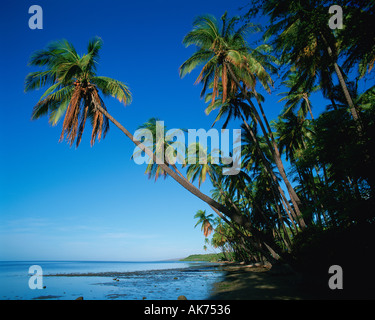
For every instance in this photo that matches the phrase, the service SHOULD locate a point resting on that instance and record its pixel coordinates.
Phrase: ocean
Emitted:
(107, 280)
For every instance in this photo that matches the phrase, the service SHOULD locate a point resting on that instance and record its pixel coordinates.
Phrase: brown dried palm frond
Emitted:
(215, 88)
(100, 126)
(94, 127)
(100, 123)
(224, 79)
(70, 123)
(82, 123)
(83, 105)
(74, 125)
(207, 228)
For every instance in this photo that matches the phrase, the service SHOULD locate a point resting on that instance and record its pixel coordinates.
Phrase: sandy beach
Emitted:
(258, 283)
(243, 282)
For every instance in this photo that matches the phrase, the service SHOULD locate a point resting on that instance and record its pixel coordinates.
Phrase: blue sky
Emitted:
(61, 203)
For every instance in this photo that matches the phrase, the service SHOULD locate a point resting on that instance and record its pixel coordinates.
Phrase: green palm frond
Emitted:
(114, 88)
(199, 57)
(38, 79)
(53, 102)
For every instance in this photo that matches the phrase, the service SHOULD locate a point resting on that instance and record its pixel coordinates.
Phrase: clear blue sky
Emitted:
(61, 203)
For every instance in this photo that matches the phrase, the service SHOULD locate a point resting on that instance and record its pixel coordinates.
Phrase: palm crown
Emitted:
(73, 89)
(223, 47)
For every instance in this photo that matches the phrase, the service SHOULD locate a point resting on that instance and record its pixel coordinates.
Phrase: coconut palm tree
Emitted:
(161, 145)
(297, 97)
(225, 55)
(200, 163)
(235, 107)
(292, 133)
(73, 89)
(205, 220)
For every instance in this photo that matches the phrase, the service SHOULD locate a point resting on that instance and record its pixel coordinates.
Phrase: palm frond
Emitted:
(55, 103)
(114, 88)
(38, 79)
(199, 57)
(93, 48)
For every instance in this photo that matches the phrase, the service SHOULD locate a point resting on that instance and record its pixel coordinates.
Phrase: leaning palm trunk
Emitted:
(343, 85)
(305, 97)
(234, 216)
(276, 154)
(273, 148)
(275, 184)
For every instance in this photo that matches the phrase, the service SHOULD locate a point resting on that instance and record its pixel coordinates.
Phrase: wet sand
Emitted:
(194, 282)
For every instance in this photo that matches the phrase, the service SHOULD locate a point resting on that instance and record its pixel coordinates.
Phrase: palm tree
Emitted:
(226, 55)
(200, 163)
(233, 108)
(205, 220)
(296, 97)
(163, 146)
(292, 133)
(73, 89)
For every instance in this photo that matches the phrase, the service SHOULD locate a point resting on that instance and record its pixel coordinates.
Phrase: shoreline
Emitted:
(205, 266)
(238, 281)
(194, 282)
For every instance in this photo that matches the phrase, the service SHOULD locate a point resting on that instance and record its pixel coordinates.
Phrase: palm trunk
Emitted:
(184, 183)
(286, 238)
(348, 98)
(308, 105)
(273, 148)
(334, 106)
(344, 88)
(275, 183)
(276, 153)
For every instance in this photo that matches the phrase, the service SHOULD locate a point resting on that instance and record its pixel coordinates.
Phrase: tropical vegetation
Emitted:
(305, 192)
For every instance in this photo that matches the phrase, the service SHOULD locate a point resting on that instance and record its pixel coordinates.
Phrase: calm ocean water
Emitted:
(99, 280)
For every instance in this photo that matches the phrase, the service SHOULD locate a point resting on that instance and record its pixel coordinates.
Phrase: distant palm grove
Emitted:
(305, 192)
